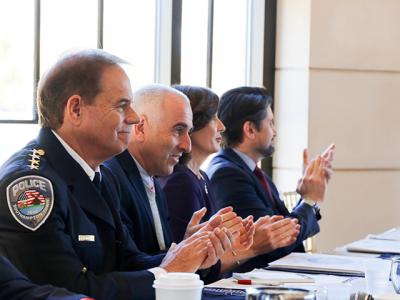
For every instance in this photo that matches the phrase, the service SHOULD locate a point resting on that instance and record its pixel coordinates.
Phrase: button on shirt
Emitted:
(148, 182)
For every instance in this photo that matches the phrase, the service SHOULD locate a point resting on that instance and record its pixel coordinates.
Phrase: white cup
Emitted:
(178, 286)
(376, 275)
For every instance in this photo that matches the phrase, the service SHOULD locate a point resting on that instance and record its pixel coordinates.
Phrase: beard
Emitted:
(267, 151)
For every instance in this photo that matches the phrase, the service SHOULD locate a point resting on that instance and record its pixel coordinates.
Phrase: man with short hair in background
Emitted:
(247, 115)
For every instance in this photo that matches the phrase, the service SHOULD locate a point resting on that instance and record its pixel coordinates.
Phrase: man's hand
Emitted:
(244, 238)
(225, 217)
(232, 222)
(188, 255)
(194, 224)
(221, 241)
(274, 232)
(202, 249)
(314, 182)
(327, 155)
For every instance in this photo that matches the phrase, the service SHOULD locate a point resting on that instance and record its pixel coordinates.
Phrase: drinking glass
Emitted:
(395, 273)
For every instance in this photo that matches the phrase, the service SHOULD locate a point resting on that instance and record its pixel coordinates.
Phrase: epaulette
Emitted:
(34, 161)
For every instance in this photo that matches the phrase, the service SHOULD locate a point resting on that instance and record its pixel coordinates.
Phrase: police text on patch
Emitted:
(27, 184)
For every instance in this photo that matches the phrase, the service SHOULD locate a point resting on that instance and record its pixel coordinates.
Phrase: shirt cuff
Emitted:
(157, 272)
(309, 202)
(315, 206)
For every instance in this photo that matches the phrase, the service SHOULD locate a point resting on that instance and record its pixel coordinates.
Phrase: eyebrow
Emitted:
(181, 124)
(124, 100)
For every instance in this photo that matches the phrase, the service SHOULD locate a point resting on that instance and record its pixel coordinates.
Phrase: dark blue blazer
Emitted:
(53, 253)
(185, 194)
(136, 211)
(15, 286)
(235, 185)
(135, 207)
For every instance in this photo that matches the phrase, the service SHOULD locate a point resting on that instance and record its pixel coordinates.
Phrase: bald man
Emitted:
(158, 141)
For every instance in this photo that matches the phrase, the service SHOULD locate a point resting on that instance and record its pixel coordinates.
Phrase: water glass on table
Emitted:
(376, 275)
(395, 273)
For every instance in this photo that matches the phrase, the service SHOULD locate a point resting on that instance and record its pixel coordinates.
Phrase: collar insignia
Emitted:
(35, 160)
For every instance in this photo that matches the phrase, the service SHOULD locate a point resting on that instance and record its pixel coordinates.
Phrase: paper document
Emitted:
(319, 280)
(273, 277)
(375, 246)
(322, 264)
(391, 234)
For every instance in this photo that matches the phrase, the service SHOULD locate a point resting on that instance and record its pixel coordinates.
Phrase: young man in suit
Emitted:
(238, 182)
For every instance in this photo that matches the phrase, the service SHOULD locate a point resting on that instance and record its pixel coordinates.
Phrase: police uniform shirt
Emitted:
(89, 171)
(57, 228)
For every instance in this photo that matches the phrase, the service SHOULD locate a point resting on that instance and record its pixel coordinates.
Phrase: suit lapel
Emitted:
(280, 206)
(83, 190)
(130, 168)
(232, 156)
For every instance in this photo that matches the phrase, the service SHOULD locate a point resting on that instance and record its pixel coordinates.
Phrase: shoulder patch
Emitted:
(30, 200)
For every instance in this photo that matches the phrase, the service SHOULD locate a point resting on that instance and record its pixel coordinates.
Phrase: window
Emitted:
(63, 28)
(199, 42)
(16, 60)
(129, 32)
(222, 45)
(32, 38)
(194, 42)
(229, 45)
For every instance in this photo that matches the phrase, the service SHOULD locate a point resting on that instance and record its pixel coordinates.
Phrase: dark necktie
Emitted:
(260, 175)
(97, 181)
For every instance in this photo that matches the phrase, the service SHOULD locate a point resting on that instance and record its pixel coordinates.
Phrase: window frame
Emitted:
(267, 16)
(168, 46)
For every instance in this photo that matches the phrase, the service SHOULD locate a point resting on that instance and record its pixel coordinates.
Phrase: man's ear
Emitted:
(73, 109)
(249, 130)
(139, 129)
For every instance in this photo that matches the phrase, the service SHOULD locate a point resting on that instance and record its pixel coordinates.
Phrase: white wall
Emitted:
(338, 80)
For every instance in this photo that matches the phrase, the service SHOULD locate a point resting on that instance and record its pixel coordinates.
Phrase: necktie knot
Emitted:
(257, 171)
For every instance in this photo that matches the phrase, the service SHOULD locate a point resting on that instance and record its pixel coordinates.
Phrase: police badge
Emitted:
(30, 199)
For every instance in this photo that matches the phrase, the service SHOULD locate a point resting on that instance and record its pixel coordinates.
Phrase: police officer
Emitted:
(59, 209)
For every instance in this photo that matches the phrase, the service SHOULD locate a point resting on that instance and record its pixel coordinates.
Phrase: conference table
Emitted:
(336, 288)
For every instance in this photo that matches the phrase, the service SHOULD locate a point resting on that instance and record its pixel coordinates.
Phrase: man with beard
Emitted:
(238, 182)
